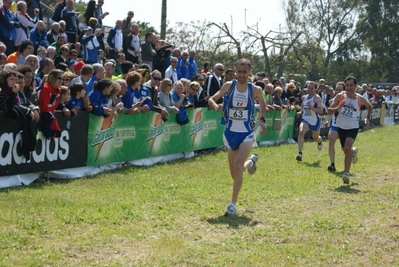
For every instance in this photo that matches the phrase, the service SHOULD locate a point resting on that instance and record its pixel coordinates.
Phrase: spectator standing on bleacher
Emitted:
(115, 40)
(147, 50)
(8, 26)
(69, 15)
(25, 21)
(126, 25)
(133, 45)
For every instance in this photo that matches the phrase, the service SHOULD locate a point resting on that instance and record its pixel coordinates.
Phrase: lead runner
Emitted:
(239, 119)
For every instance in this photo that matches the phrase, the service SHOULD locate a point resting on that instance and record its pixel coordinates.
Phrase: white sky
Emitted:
(269, 13)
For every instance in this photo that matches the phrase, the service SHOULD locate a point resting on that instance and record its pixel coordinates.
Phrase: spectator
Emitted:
(77, 92)
(3, 60)
(86, 73)
(60, 42)
(57, 11)
(77, 67)
(109, 70)
(63, 57)
(32, 6)
(147, 51)
(171, 71)
(8, 27)
(49, 99)
(67, 76)
(126, 25)
(32, 62)
(152, 87)
(165, 97)
(45, 66)
(27, 93)
(131, 105)
(69, 15)
(90, 45)
(52, 35)
(100, 16)
(126, 67)
(192, 96)
(180, 102)
(115, 40)
(132, 44)
(51, 52)
(62, 30)
(120, 57)
(183, 66)
(27, 116)
(214, 82)
(25, 21)
(229, 75)
(99, 98)
(38, 36)
(62, 66)
(118, 98)
(101, 56)
(90, 11)
(25, 49)
(192, 65)
(207, 65)
(277, 101)
(98, 74)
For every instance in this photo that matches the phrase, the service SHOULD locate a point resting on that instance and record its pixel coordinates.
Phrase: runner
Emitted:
(348, 105)
(238, 117)
(310, 110)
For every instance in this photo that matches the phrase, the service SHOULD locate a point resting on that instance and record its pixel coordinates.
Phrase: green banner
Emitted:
(287, 121)
(131, 137)
(145, 135)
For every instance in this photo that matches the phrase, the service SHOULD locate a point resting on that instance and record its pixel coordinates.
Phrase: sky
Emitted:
(269, 13)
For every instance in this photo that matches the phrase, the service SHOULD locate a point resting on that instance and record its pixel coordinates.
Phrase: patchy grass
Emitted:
(289, 213)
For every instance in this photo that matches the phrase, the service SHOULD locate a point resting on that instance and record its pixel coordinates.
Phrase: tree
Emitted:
(328, 27)
(378, 27)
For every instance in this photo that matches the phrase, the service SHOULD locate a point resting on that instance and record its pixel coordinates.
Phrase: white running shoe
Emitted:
(299, 157)
(231, 210)
(320, 145)
(354, 155)
(345, 178)
(254, 158)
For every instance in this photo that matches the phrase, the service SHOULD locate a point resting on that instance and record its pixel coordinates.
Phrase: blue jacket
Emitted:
(99, 101)
(68, 15)
(8, 24)
(192, 68)
(38, 36)
(89, 55)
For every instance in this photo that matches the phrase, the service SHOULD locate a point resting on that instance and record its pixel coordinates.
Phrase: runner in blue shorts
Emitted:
(239, 119)
(311, 110)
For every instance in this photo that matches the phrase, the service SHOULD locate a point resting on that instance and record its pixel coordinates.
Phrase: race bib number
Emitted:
(307, 112)
(238, 114)
(347, 111)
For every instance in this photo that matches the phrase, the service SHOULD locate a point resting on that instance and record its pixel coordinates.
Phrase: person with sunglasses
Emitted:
(152, 87)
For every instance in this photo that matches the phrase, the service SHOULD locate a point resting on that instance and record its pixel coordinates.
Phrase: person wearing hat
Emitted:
(77, 66)
(90, 46)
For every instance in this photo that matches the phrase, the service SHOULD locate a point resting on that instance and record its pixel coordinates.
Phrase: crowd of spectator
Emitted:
(67, 69)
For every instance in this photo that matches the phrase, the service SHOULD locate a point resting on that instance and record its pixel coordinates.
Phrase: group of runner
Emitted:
(238, 116)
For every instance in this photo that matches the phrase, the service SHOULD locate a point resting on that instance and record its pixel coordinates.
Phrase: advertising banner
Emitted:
(50, 154)
(131, 137)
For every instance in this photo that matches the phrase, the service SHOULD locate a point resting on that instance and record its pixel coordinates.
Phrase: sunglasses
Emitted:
(156, 78)
(195, 90)
(221, 69)
(65, 80)
(169, 84)
(59, 78)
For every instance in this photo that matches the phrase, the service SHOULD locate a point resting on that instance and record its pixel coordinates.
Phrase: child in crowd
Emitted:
(74, 104)
(99, 98)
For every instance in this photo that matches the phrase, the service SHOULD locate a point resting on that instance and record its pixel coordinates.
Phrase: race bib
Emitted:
(240, 114)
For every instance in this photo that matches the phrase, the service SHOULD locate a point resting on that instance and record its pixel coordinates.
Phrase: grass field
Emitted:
(289, 213)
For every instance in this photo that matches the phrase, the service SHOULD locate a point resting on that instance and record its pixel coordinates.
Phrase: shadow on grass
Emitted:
(314, 164)
(347, 189)
(233, 222)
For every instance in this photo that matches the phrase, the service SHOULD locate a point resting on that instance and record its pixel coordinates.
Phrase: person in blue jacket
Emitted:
(99, 98)
(8, 26)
